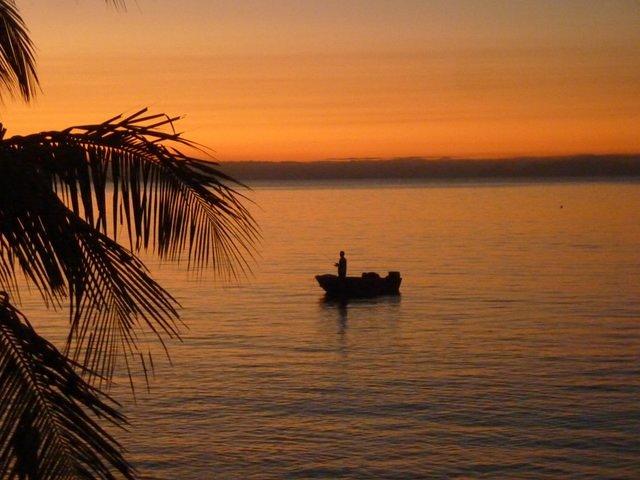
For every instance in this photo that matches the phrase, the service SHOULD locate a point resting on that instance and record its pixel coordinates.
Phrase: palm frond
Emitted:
(119, 4)
(17, 60)
(167, 201)
(18, 73)
(112, 297)
(50, 421)
(64, 198)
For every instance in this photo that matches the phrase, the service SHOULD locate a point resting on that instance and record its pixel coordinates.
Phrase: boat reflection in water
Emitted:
(338, 308)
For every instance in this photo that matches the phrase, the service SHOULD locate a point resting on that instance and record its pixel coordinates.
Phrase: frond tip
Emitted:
(49, 419)
(17, 59)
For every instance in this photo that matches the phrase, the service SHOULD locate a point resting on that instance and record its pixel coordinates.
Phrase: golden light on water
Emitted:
(515, 339)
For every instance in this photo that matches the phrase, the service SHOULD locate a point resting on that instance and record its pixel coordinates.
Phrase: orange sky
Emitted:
(301, 80)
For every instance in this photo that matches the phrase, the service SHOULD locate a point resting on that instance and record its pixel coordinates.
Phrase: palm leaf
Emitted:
(17, 60)
(49, 418)
(117, 3)
(165, 201)
(170, 202)
(113, 299)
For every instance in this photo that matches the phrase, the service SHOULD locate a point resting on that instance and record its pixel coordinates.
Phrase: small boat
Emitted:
(370, 284)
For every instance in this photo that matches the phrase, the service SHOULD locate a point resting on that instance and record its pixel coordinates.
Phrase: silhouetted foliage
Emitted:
(65, 197)
(55, 226)
(17, 61)
(46, 431)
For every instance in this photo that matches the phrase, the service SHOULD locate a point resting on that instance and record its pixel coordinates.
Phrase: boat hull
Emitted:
(368, 285)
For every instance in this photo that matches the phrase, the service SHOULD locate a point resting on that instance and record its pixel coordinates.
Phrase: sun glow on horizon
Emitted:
(306, 81)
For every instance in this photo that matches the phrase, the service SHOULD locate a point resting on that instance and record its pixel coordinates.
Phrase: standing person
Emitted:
(342, 265)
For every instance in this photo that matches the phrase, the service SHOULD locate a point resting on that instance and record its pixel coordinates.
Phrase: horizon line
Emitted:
(426, 158)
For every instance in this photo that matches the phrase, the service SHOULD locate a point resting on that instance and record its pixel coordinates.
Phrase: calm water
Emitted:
(513, 352)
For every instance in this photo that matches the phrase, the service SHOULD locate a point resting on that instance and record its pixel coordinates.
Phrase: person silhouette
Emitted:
(342, 265)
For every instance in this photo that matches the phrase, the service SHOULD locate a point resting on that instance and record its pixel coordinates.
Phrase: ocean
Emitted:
(513, 350)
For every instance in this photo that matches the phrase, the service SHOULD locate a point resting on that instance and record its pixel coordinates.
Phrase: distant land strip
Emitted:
(560, 167)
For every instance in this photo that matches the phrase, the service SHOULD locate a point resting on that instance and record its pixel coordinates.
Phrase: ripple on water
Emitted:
(513, 352)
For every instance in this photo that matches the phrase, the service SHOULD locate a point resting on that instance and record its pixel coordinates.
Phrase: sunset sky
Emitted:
(303, 80)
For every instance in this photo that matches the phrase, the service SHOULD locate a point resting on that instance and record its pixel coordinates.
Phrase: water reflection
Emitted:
(332, 302)
(511, 354)
(341, 307)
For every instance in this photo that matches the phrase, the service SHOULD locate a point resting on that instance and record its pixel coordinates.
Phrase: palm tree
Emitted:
(65, 198)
